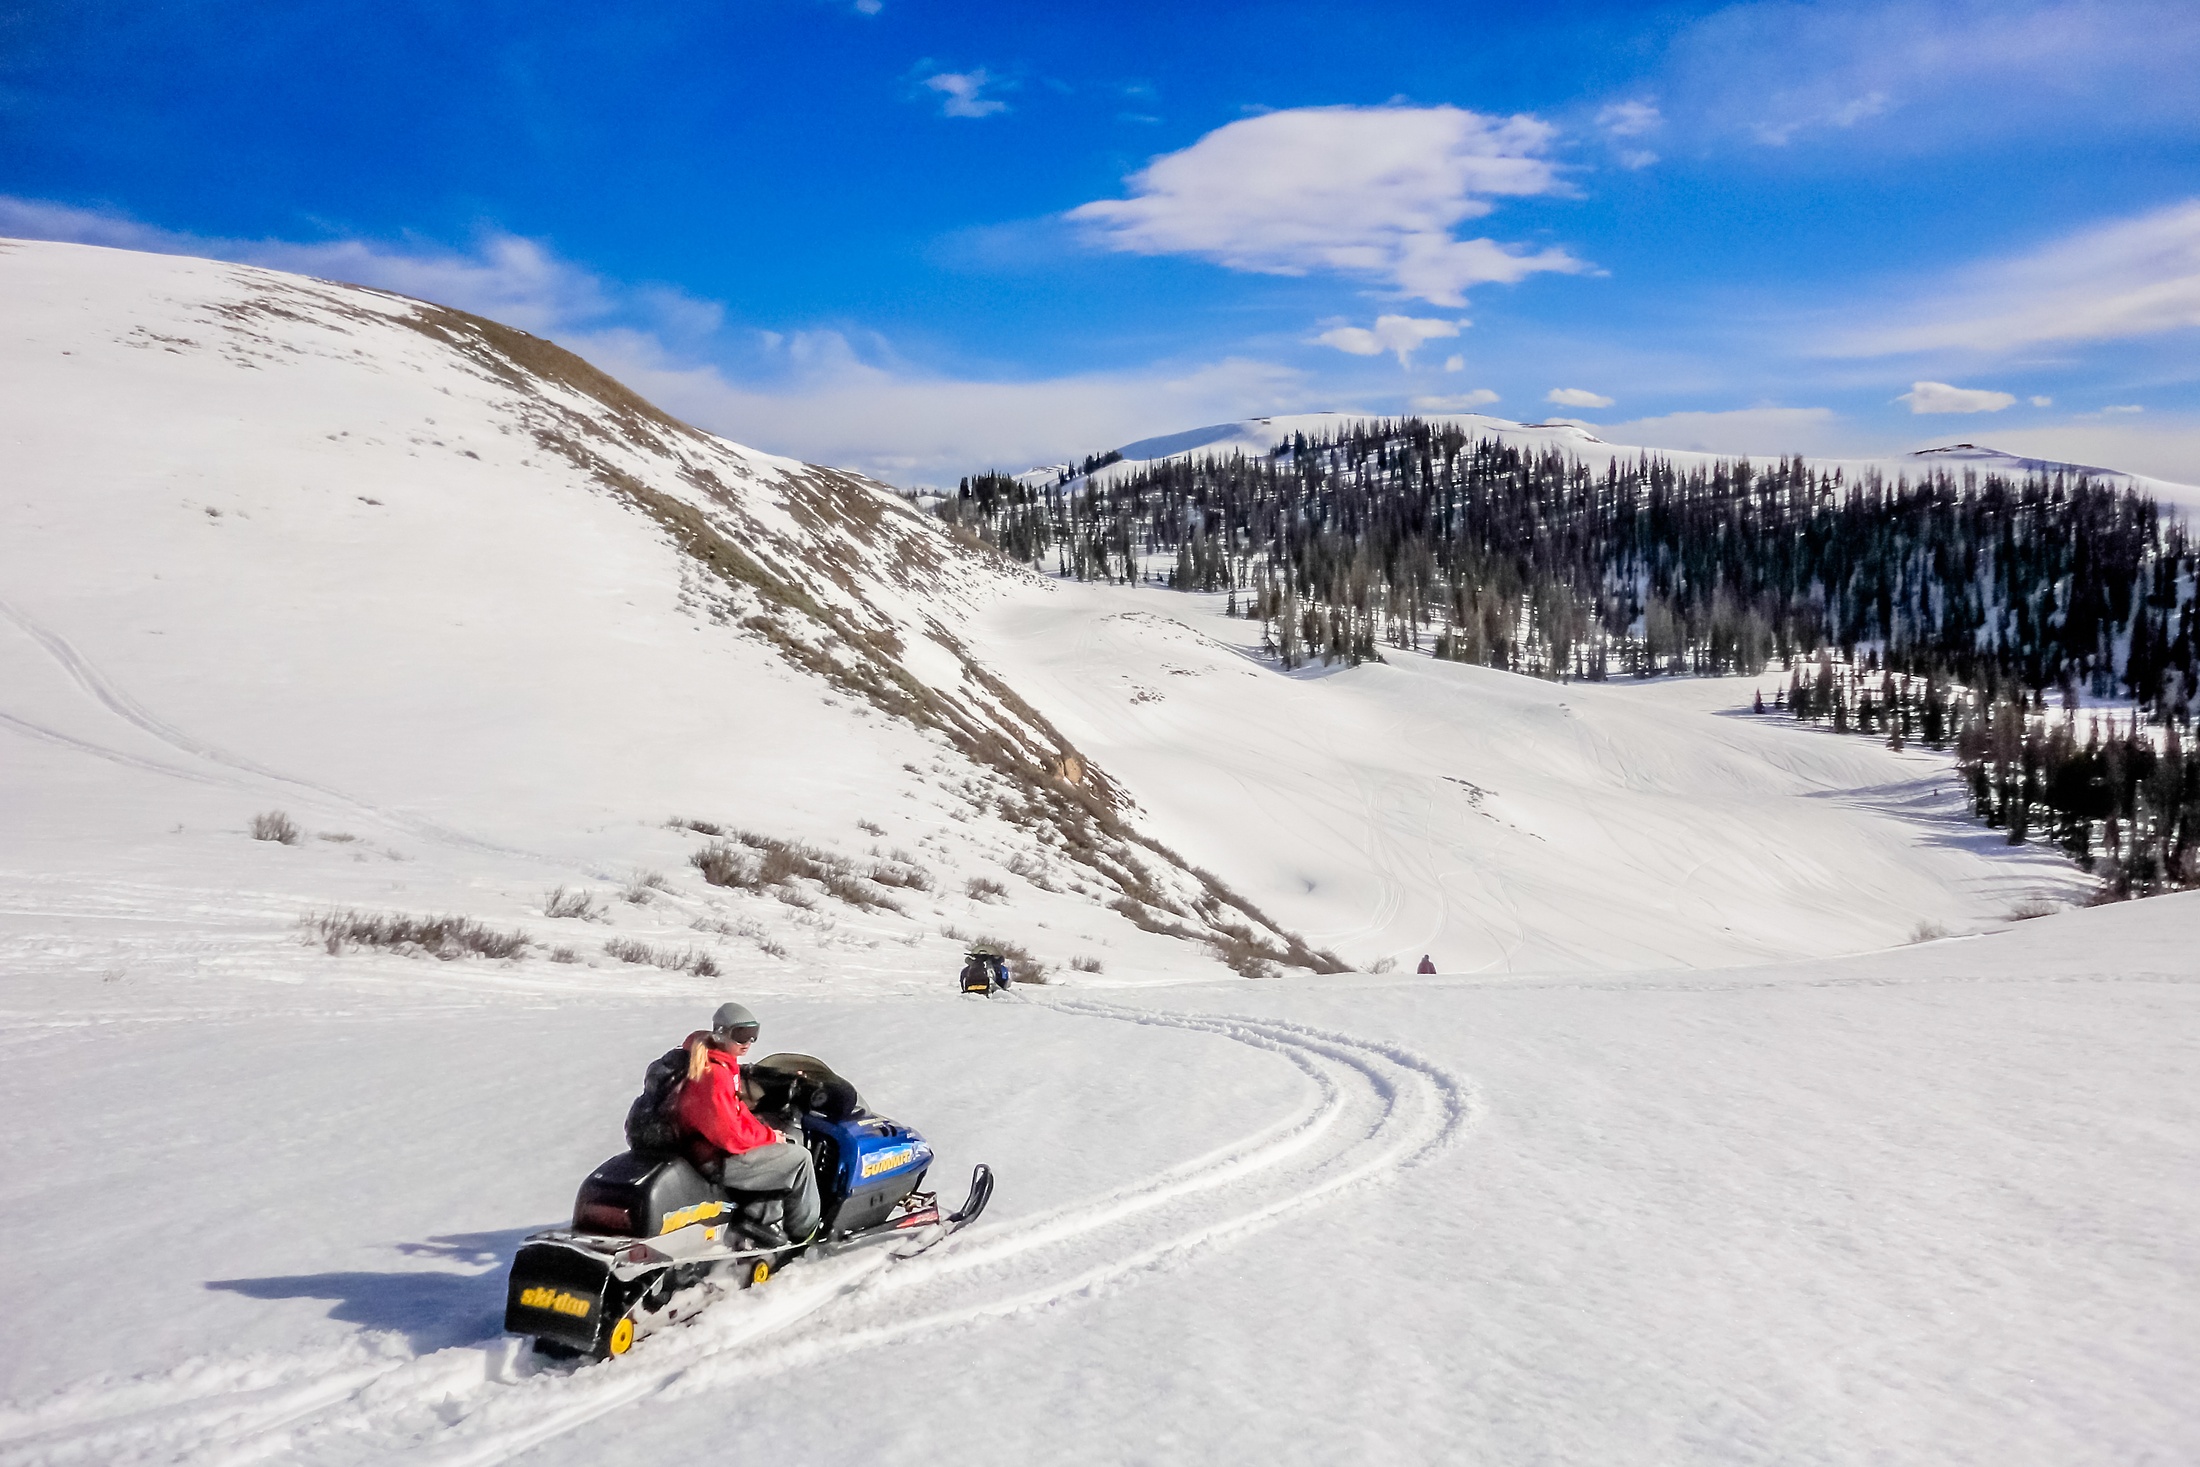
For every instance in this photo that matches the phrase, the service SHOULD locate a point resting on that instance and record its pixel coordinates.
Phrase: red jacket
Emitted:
(712, 1110)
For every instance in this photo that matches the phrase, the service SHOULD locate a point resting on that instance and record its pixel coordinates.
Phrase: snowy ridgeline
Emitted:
(324, 614)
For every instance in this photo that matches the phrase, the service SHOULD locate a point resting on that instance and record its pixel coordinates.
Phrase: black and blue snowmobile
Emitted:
(649, 1228)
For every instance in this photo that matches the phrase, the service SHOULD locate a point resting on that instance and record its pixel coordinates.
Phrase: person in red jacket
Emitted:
(725, 1140)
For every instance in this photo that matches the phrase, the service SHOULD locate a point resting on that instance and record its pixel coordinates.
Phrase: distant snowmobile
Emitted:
(984, 971)
(648, 1229)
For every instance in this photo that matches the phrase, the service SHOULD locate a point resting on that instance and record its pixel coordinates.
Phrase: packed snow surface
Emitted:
(1688, 1155)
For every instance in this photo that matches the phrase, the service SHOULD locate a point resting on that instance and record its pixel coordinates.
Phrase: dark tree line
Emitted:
(2119, 797)
(1945, 609)
(1410, 534)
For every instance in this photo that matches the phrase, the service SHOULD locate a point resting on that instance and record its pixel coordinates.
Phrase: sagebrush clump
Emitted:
(673, 960)
(752, 862)
(563, 903)
(442, 937)
(274, 825)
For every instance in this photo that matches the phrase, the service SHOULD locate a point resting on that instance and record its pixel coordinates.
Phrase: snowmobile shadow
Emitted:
(431, 1309)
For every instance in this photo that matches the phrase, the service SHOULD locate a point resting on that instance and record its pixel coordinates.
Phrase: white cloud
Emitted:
(1374, 192)
(2043, 402)
(1630, 119)
(1939, 397)
(1779, 72)
(2133, 277)
(1576, 397)
(521, 282)
(1458, 402)
(1402, 335)
(824, 396)
(1636, 158)
(907, 427)
(1757, 432)
(960, 92)
(2129, 407)
(1455, 363)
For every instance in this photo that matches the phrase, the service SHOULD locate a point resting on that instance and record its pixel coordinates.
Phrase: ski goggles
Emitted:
(737, 1034)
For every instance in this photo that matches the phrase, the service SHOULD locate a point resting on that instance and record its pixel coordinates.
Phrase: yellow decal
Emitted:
(693, 1214)
(555, 1301)
(886, 1161)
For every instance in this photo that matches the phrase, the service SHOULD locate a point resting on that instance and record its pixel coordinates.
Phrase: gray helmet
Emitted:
(735, 1022)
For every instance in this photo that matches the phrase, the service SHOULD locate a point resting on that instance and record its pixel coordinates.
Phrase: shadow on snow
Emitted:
(433, 1309)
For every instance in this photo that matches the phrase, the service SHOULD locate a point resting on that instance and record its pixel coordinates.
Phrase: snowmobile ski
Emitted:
(981, 1192)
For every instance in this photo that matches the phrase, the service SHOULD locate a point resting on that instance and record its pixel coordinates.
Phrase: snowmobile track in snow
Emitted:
(226, 767)
(1374, 1109)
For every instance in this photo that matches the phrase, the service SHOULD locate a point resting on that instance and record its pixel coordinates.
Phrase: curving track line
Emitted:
(117, 701)
(1374, 1110)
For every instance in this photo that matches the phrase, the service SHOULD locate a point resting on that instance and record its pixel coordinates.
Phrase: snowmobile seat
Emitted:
(638, 1196)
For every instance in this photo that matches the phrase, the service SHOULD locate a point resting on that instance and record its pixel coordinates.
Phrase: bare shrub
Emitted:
(700, 827)
(338, 836)
(870, 829)
(899, 871)
(641, 884)
(673, 960)
(985, 889)
(2031, 907)
(741, 927)
(1928, 932)
(1383, 965)
(778, 864)
(1022, 966)
(444, 937)
(581, 904)
(1031, 869)
(1084, 965)
(723, 864)
(846, 887)
(274, 825)
(564, 954)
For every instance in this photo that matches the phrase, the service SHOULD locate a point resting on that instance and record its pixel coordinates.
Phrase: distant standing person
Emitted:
(1428, 964)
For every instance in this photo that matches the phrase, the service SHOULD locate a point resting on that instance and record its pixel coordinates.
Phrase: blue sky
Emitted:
(923, 239)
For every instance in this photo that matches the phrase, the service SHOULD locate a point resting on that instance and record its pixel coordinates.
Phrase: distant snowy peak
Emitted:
(1259, 437)
(1982, 459)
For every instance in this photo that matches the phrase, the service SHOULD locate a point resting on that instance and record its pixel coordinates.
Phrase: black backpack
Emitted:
(650, 1128)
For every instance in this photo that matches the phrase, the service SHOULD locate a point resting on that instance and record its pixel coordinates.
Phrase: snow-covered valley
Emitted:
(1687, 1154)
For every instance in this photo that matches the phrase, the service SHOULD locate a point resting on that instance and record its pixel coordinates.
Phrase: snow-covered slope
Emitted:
(1258, 436)
(1933, 1206)
(1503, 823)
(480, 621)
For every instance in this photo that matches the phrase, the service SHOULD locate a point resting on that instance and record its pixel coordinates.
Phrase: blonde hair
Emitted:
(698, 1058)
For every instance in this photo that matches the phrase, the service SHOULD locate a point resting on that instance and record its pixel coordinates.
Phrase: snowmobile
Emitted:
(984, 971)
(649, 1229)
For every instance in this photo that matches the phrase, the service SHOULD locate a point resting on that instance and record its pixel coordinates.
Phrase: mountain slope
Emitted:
(435, 584)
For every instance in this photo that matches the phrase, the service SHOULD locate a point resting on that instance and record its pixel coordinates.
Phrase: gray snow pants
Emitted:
(780, 1167)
